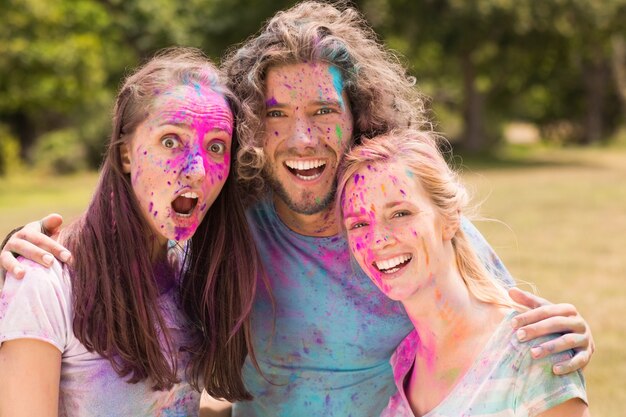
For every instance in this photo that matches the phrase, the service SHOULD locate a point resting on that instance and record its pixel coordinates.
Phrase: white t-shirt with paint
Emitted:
(504, 380)
(40, 307)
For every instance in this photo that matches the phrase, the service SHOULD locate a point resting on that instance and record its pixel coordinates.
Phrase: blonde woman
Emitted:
(402, 208)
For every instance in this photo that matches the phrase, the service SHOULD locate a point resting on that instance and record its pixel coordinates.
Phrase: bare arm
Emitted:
(570, 408)
(31, 371)
(33, 244)
(546, 318)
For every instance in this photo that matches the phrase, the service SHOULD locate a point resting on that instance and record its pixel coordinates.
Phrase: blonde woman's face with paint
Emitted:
(394, 230)
(308, 125)
(179, 158)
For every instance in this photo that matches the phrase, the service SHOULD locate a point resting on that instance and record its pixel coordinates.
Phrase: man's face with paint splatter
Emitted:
(394, 230)
(179, 158)
(308, 125)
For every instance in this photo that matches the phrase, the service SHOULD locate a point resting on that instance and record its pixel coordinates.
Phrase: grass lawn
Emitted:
(562, 226)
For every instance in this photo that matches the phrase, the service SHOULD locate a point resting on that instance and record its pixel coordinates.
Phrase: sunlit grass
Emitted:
(565, 231)
(564, 215)
(29, 196)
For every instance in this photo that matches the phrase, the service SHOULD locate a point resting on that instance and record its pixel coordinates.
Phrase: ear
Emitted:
(125, 156)
(451, 225)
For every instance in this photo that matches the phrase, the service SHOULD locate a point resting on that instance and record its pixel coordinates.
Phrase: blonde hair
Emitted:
(419, 151)
(381, 95)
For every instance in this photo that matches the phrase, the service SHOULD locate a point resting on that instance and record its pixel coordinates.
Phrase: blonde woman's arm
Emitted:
(570, 408)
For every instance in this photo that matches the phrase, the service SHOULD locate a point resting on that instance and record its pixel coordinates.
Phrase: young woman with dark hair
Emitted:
(137, 324)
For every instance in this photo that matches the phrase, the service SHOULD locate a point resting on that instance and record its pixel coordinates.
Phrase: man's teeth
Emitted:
(303, 165)
(190, 194)
(390, 266)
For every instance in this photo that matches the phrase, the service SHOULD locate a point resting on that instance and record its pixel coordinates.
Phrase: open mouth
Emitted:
(390, 266)
(306, 170)
(184, 204)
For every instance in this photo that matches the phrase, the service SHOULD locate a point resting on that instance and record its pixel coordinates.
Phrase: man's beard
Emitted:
(309, 204)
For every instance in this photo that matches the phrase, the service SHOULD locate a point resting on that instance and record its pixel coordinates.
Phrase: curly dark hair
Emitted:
(382, 96)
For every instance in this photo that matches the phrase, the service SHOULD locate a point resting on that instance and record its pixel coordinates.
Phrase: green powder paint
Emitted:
(339, 134)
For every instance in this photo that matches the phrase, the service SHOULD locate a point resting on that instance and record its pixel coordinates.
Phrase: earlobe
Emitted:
(125, 156)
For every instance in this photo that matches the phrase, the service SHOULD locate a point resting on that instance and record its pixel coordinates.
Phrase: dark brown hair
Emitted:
(382, 96)
(113, 278)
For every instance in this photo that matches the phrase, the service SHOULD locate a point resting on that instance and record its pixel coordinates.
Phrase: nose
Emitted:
(303, 136)
(194, 169)
(381, 237)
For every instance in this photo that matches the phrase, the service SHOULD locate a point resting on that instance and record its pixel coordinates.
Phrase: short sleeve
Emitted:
(540, 389)
(486, 253)
(37, 306)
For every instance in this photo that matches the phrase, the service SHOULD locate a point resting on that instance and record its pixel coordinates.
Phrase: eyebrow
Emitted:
(391, 204)
(186, 125)
(275, 104)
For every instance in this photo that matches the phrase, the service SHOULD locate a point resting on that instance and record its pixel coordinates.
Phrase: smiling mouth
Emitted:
(306, 170)
(184, 204)
(390, 266)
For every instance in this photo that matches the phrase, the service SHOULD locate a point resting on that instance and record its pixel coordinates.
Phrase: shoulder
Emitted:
(39, 306)
(537, 387)
(40, 278)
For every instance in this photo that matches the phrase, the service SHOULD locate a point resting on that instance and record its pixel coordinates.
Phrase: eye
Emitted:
(324, 110)
(275, 113)
(217, 147)
(170, 142)
(357, 225)
(401, 213)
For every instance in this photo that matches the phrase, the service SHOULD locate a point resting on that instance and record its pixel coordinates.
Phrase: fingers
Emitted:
(34, 245)
(525, 298)
(10, 264)
(544, 312)
(578, 361)
(52, 224)
(560, 344)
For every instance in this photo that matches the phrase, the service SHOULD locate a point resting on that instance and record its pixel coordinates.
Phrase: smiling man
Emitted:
(313, 82)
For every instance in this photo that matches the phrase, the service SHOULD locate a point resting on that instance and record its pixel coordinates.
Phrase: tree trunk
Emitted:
(619, 69)
(473, 103)
(594, 73)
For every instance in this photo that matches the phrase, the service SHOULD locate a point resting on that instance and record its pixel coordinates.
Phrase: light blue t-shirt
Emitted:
(325, 349)
(504, 380)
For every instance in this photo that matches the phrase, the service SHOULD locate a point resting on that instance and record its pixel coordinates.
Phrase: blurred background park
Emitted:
(532, 95)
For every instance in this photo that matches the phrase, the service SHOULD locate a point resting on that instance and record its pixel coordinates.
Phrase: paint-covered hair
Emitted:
(420, 153)
(114, 284)
(382, 96)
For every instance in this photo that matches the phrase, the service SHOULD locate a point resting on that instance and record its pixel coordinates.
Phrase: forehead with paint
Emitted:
(179, 158)
(377, 185)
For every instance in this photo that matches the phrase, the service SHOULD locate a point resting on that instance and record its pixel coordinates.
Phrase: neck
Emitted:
(447, 318)
(321, 224)
(158, 250)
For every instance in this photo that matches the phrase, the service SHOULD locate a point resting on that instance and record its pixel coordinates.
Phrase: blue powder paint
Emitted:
(337, 82)
(198, 89)
(408, 173)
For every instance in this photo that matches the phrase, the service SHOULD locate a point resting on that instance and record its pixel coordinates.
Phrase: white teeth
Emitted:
(190, 194)
(309, 178)
(302, 165)
(389, 266)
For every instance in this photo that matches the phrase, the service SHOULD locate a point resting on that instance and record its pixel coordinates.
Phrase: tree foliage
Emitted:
(487, 61)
